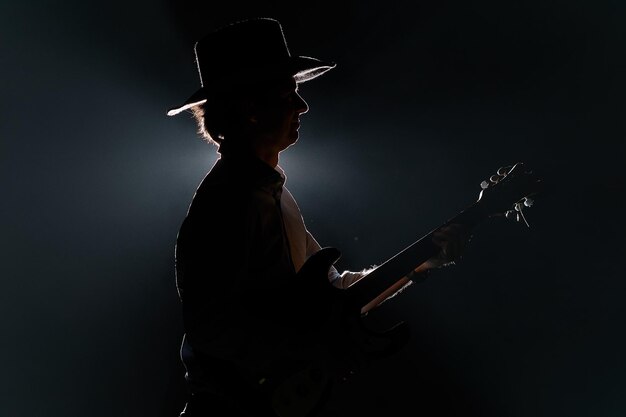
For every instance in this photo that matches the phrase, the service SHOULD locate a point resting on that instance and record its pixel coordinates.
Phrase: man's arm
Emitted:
(339, 280)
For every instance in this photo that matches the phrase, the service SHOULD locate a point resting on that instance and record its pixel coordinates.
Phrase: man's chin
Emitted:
(292, 142)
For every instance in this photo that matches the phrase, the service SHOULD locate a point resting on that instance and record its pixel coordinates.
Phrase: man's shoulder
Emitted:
(220, 192)
(228, 193)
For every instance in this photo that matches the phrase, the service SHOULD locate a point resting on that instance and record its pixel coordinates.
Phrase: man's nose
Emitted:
(301, 106)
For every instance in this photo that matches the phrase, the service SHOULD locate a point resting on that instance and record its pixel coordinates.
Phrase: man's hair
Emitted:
(198, 113)
(218, 116)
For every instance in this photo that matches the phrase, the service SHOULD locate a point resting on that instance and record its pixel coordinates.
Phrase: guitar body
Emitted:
(327, 345)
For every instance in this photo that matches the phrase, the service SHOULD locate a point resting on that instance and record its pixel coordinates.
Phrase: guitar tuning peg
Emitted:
(494, 179)
(528, 202)
(504, 171)
(520, 214)
(484, 185)
(510, 214)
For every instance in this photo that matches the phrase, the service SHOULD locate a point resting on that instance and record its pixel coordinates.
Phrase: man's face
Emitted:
(277, 115)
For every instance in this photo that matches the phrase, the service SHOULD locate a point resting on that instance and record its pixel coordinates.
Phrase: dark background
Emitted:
(427, 100)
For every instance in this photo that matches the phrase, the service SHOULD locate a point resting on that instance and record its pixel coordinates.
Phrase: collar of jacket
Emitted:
(252, 171)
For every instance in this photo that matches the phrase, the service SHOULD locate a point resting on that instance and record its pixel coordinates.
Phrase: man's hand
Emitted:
(452, 239)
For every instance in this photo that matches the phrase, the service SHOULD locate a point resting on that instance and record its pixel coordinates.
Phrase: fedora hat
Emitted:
(248, 51)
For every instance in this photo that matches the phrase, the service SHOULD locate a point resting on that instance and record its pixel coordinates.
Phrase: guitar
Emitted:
(333, 343)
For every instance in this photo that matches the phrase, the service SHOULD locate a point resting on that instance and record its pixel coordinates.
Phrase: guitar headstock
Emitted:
(508, 192)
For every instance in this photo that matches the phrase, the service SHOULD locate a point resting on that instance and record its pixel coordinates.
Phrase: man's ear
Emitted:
(249, 111)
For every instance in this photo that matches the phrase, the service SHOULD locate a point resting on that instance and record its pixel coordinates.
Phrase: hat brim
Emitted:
(302, 68)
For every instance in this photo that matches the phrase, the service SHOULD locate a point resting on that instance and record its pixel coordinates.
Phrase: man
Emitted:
(241, 249)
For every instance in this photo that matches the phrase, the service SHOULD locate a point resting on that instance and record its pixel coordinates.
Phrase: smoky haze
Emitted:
(427, 100)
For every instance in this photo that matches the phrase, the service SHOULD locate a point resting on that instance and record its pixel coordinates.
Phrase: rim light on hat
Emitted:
(250, 50)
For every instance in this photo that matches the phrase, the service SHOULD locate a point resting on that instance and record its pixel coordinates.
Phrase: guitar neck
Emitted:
(404, 262)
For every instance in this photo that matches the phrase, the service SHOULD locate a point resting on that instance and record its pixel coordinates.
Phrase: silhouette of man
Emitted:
(243, 242)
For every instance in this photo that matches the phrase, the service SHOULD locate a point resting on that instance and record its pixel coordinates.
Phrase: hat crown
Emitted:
(245, 45)
(250, 51)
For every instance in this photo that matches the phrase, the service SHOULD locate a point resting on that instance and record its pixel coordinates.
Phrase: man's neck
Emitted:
(267, 156)
(258, 148)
